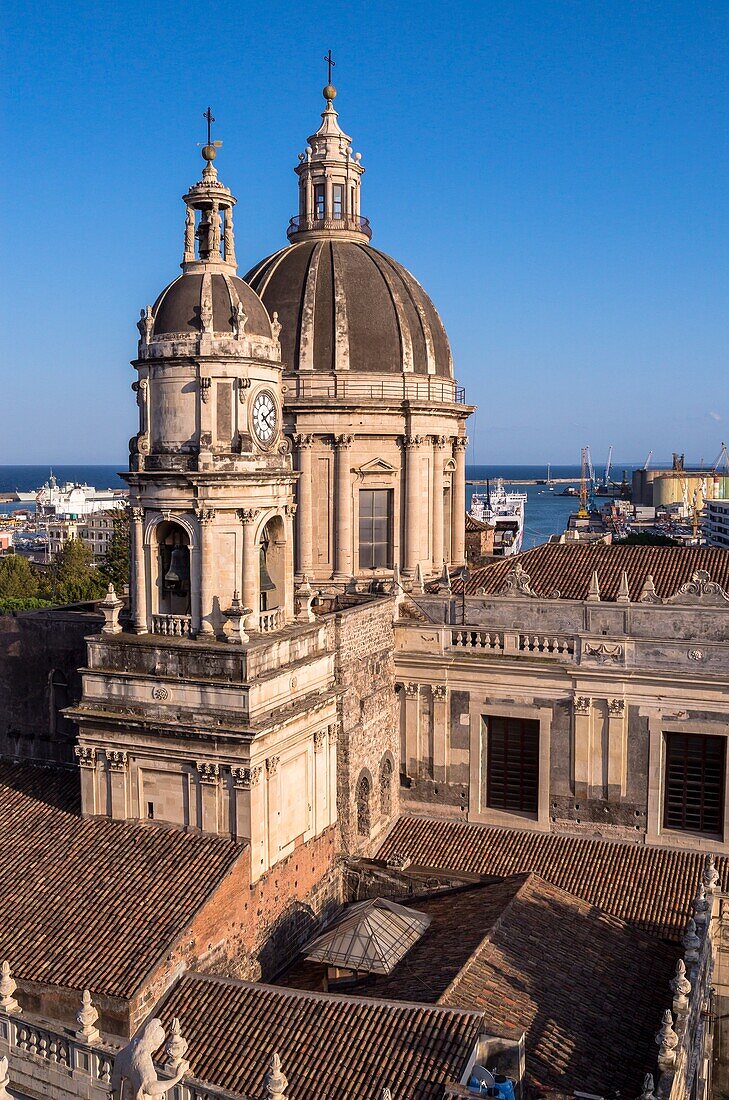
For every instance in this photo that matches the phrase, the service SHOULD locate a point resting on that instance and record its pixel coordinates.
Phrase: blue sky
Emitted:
(555, 175)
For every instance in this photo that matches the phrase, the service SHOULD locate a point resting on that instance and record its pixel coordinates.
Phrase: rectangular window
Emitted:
(338, 200)
(512, 769)
(319, 200)
(694, 790)
(375, 528)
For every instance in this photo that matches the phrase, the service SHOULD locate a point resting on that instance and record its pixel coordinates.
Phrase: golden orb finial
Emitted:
(209, 152)
(329, 92)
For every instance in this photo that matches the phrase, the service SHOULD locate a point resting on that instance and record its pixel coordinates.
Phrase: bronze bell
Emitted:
(267, 584)
(179, 570)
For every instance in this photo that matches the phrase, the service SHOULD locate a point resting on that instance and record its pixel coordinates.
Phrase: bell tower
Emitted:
(211, 480)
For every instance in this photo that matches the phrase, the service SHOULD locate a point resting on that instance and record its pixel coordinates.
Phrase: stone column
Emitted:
(139, 583)
(412, 723)
(413, 519)
(304, 511)
(582, 720)
(251, 567)
(440, 733)
(440, 443)
(343, 503)
(459, 502)
(205, 517)
(86, 756)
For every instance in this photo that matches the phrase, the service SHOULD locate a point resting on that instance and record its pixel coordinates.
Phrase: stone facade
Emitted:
(606, 682)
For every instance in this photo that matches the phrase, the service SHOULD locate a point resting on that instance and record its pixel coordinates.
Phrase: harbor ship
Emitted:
(504, 511)
(71, 498)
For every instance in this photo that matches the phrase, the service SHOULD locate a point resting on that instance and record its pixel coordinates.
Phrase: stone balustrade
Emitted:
(511, 643)
(52, 1061)
(271, 620)
(467, 638)
(172, 626)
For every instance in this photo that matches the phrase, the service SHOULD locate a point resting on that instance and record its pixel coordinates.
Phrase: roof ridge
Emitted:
(478, 951)
(313, 995)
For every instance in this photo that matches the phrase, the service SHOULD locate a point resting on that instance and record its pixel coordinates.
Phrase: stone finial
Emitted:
(110, 606)
(691, 942)
(304, 600)
(418, 583)
(593, 593)
(681, 987)
(710, 876)
(86, 1019)
(648, 1087)
(236, 616)
(275, 1080)
(667, 1041)
(648, 592)
(4, 1079)
(175, 1047)
(624, 589)
(700, 906)
(7, 989)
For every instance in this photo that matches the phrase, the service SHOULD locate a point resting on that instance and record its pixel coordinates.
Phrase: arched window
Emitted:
(173, 581)
(386, 787)
(59, 698)
(364, 790)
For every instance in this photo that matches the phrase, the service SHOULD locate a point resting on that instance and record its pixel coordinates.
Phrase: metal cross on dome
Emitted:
(330, 65)
(210, 117)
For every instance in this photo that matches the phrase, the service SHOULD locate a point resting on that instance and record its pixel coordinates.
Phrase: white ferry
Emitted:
(504, 510)
(71, 499)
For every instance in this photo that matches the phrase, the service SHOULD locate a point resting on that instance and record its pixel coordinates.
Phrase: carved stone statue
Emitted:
(239, 319)
(145, 324)
(135, 1076)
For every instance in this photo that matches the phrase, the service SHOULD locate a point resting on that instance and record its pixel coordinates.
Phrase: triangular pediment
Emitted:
(377, 466)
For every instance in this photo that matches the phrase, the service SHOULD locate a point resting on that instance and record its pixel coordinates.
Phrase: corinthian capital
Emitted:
(205, 516)
(343, 441)
(303, 441)
(136, 514)
(413, 441)
(461, 442)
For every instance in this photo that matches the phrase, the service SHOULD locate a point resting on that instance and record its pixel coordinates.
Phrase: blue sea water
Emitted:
(546, 513)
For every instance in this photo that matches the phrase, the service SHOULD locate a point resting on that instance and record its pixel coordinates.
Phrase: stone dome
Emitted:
(177, 310)
(344, 305)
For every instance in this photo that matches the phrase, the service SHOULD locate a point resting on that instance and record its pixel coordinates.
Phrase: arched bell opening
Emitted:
(272, 552)
(173, 569)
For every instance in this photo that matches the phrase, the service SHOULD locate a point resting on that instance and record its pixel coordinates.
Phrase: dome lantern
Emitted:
(209, 240)
(329, 181)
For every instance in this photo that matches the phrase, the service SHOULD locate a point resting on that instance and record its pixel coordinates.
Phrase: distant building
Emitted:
(716, 522)
(61, 531)
(97, 531)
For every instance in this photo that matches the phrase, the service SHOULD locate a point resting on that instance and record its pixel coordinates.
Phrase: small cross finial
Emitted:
(330, 65)
(209, 116)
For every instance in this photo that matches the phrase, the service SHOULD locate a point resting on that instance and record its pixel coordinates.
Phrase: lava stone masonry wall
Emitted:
(369, 731)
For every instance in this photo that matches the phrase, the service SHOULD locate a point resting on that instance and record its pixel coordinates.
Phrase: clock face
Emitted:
(263, 417)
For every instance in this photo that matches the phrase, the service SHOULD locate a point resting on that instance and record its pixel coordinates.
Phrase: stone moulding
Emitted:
(700, 590)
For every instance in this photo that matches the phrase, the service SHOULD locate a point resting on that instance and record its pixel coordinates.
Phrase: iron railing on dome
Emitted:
(401, 388)
(308, 222)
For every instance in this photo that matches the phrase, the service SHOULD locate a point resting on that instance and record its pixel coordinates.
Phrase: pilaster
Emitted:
(206, 519)
(459, 501)
(440, 443)
(139, 582)
(304, 512)
(343, 509)
(208, 775)
(413, 520)
(617, 749)
(582, 744)
(440, 733)
(117, 762)
(412, 728)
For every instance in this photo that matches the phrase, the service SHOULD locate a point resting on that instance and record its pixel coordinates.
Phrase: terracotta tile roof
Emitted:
(330, 1046)
(477, 524)
(580, 983)
(90, 903)
(649, 887)
(568, 568)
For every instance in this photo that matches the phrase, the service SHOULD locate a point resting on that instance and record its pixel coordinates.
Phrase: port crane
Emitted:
(608, 466)
(587, 484)
(647, 461)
